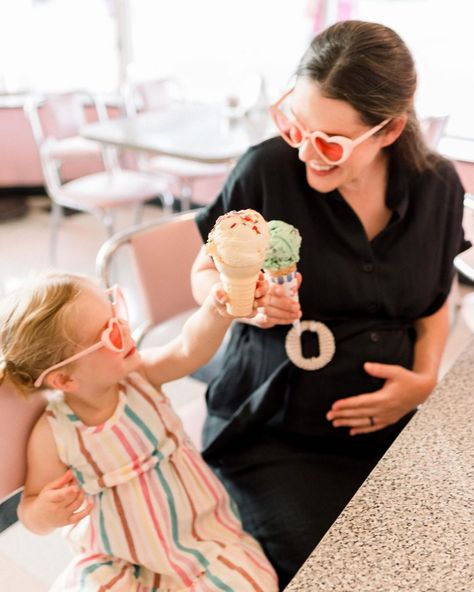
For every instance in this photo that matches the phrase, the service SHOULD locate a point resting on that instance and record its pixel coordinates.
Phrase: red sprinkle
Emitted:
(234, 224)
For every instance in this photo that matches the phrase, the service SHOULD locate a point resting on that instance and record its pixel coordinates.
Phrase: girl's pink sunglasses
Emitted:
(112, 336)
(332, 149)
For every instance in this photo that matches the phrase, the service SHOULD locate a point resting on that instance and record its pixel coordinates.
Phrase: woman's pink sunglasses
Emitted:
(112, 336)
(332, 149)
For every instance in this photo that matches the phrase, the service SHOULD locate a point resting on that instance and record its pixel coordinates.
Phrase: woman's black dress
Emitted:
(266, 435)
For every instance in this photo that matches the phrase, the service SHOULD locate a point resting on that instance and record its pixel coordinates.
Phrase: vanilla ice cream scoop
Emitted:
(238, 243)
(239, 238)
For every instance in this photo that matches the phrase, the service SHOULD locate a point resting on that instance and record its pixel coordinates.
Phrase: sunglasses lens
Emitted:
(115, 336)
(331, 150)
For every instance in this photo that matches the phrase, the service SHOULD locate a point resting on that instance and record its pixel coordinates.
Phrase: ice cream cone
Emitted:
(238, 244)
(239, 283)
(282, 275)
(282, 255)
(286, 278)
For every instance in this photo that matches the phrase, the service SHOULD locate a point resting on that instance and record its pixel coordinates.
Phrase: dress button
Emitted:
(373, 307)
(368, 267)
(374, 337)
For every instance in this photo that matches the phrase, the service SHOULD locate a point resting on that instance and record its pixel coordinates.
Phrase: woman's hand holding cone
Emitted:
(279, 309)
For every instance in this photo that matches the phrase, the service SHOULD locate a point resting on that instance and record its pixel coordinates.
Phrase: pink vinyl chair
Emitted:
(159, 256)
(152, 262)
(56, 120)
(191, 181)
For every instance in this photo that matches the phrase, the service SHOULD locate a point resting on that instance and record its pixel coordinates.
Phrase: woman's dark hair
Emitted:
(369, 66)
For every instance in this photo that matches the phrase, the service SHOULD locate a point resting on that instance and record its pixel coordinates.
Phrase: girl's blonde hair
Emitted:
(34, 329)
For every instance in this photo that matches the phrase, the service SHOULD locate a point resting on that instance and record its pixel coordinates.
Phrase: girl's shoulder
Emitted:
(41, 432)
(41, 425)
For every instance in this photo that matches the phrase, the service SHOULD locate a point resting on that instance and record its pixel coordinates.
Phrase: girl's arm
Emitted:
(51, 496)
(198, 341)
(204, 276)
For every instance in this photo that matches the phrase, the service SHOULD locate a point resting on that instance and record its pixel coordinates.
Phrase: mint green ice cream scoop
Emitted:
(284, 248)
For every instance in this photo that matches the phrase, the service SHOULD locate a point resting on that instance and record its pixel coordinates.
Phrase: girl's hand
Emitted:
(221, 297)
(402, 392)
(279, 309)
(58, 502)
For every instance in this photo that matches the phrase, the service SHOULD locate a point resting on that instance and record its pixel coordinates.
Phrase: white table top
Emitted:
(203, 133)
(196, 132)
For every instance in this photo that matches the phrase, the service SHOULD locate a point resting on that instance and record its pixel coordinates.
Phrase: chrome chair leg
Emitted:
(108, 220)
(185, 197)
(168, 201)
(139, 211)
(56, 215)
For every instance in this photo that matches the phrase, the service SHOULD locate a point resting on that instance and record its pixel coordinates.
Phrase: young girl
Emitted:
(109, 456)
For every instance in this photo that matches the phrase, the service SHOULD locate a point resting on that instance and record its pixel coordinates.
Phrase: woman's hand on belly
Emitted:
(402, 391)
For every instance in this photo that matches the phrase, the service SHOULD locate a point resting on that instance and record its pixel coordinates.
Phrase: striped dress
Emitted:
(161, 520)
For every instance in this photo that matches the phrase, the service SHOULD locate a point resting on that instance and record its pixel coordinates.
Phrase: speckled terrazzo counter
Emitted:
(410, 527)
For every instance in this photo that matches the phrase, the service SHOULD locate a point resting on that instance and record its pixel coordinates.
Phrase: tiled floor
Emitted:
(29, 562)
(26, 241)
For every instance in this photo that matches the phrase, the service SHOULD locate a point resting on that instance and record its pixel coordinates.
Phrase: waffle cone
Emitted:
(285, 277)
(239, 283)
(281, 271)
